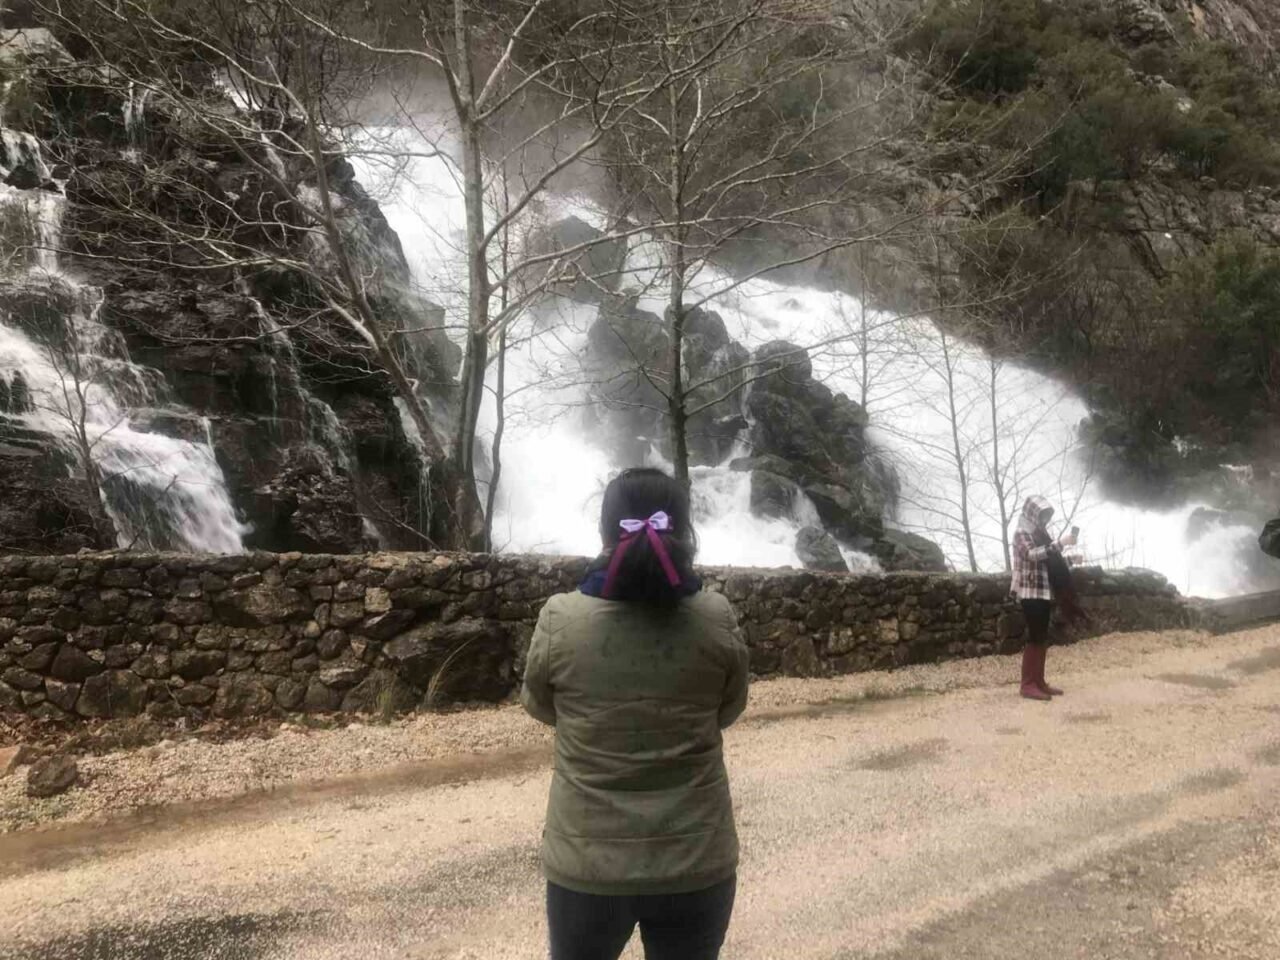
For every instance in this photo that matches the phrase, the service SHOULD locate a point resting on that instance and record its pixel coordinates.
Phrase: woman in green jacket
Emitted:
(639, 670)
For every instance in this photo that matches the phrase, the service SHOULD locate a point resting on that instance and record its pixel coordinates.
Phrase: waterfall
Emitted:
(135, 107)
(553, 476)
(160, 491)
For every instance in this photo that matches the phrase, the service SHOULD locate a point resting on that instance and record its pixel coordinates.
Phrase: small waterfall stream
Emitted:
(162, 490)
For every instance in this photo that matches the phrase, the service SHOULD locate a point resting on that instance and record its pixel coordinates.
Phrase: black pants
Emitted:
(678, 926)
(1037, 613)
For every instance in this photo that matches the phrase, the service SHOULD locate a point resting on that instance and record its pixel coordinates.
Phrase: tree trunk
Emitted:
(104, 531)
(476, 357)
(997, 478)
(500, 387)
(496, 451)
(962, 474)
(676, 416)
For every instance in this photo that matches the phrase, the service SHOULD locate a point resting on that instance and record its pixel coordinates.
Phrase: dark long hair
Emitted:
(637, 494)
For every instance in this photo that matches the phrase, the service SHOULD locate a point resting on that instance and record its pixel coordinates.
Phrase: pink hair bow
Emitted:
(632, 530)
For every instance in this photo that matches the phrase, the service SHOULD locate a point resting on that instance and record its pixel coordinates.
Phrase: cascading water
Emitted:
(135, 107)
(553, 476)
(80, 388)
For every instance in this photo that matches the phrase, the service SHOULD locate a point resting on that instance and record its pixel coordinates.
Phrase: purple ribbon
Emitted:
(631, 533)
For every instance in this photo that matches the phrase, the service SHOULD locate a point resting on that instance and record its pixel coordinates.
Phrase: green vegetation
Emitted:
(1057, 78)
(1226, 308)
(1185, 348)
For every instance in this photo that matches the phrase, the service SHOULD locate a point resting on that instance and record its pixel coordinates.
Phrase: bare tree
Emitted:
(304, 69)
(78, 395)
(777, 128)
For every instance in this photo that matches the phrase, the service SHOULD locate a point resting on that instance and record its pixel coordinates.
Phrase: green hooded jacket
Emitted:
(638, 696)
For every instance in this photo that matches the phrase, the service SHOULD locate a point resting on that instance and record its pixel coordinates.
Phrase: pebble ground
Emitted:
(925, 813)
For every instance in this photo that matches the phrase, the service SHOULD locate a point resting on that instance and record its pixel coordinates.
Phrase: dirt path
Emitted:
(1135, 817)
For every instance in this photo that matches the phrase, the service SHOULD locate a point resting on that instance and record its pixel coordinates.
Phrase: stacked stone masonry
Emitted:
(118, 635)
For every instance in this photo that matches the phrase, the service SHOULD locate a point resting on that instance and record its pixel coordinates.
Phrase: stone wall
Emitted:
(109, 635)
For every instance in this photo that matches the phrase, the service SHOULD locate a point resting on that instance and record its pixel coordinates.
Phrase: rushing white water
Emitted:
(161, 492)
(552, 476)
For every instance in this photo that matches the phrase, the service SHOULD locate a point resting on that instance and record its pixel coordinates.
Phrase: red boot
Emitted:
(1032, 665)
(1040, 682)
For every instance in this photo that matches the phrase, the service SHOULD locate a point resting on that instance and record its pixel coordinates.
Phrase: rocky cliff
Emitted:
(244, 363)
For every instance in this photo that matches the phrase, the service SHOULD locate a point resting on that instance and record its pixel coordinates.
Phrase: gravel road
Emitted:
(925, 814)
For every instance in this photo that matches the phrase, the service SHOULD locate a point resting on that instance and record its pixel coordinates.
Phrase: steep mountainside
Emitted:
(308, 442)
(1135, 254)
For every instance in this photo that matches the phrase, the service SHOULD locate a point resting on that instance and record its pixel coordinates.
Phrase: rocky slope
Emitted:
(303, 427)
(807, 449)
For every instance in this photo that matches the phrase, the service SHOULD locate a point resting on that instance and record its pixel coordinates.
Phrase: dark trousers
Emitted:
(678, 926)
(1037, 613)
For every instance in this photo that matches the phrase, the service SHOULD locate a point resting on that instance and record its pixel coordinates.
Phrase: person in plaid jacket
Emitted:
(1032, 546)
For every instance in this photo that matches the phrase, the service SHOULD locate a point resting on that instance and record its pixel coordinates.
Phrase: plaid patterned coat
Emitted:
(1030, 569)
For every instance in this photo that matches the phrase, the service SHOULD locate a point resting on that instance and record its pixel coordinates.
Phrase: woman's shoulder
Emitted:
(710, 603)
(713, 608)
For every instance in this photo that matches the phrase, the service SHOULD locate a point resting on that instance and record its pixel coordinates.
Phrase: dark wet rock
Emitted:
(20, 679)
(598, 264)
(242, 696)
(52, 776)
(321, 699)
(384, 626)
(772, 495)
(1204, 520)
(344, 673)
(468, 654)
(262, 605)
(179, 424)
(900, 550)
(306, 506)
(622, 345)
(62, 695)
(766, 463)
(201, 339)
(119, 693)
(24, 176)
(40, 658)
(197, 664)
(381, 692)
(1269, 539)
(818, 550)
(289, 693)
(852, 516)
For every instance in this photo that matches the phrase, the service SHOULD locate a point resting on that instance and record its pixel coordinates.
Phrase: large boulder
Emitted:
(475, 656)
(1269, 539)
(900, 550)
(628, 359)
(626, 346)
(716, 369)
(800, 419)
(818, 550)
(855, 517)
(596, 265)
(803, 432)
(772, 495)
(305, 506)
